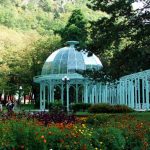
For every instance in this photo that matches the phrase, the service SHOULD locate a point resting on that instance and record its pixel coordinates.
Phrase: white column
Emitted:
(135, 91)
(67, 98)
(129, 94)
(126, 92)
(92, 95)
(132, 95)
(41, 95)
(123, 92)
(76, 93)
(50, 92)
(53, 94)
(44, 99)
(106, 92)
(147, 93)
(62, 94)
(143, 93)
(100, 93)
(86, 93)
(139, 94)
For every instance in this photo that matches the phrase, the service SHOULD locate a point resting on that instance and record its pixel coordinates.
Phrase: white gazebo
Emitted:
(59, 77)
(59, 73)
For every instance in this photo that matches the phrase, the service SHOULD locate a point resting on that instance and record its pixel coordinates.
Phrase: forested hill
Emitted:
(43, 16)
(27, 36)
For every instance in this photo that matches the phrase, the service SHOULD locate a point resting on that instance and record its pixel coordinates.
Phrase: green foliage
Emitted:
(115, 132)
(100, 108)
(97, 120)
(41, 50)
(22, 49)
(15, 59)
(44, 16)
(76, 28)
(121, 33)
(112, 137)
(55, 107)
(107, 108)
(80, 107)
(121, 109)
(25, 135)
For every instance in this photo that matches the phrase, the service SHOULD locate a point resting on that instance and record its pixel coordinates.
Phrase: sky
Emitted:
(137, 5)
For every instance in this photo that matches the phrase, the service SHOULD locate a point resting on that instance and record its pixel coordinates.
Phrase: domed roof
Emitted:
(67, 60)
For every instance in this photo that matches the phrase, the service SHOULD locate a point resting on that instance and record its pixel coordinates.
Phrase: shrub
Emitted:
(100, 108)
(27, 135)
(121, 109)
(47, 118)
(98, 119)
(80, 107)
(37, 104)
(107, 108)
(56, 107)
(111, 138)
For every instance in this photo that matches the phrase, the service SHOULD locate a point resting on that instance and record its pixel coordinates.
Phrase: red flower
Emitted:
(61, 141)
(44, 140)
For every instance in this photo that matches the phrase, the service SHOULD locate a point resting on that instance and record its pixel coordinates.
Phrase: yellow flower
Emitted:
(83, 125)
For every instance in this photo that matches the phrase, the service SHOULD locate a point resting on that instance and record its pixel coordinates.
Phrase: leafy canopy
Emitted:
(125, 32)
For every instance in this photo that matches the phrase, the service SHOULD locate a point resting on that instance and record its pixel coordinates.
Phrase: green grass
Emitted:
(82, 113)
(143, 116)
(27, 106)
(21, 107)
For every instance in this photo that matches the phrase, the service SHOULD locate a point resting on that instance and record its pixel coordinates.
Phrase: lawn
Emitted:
(143, 116)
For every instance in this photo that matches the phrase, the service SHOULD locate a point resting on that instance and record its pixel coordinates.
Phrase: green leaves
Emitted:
(76, 28)
(125, 33)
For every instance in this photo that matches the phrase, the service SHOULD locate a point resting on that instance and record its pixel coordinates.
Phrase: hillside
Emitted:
(43, 16)
(27, 36)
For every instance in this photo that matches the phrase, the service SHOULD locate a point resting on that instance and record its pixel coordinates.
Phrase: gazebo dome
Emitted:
(67, 60)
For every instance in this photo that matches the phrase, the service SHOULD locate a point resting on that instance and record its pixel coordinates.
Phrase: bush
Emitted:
(80, 107)
(98, 119)
(30, 136)
(100, 108)
(37, 104)
(111, 138)
(107, 108)
(56, 107)
(121, 109)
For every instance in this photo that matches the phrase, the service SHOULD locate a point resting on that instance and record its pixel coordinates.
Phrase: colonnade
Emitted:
(132, 90)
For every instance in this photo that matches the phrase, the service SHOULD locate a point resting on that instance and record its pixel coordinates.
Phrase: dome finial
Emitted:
(72, 43)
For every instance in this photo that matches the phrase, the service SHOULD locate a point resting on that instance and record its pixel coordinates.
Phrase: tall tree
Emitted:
(76, 28)
(125, 32)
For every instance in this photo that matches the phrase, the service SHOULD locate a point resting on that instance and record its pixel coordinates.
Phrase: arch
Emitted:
(57, 92)
(72, 94)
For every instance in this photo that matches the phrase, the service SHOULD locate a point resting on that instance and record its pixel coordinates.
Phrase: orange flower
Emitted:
(50, 133)
(84, 147)
(42, 137)
(44, 140)
(61, 141)
(22, 146)
(145, 144)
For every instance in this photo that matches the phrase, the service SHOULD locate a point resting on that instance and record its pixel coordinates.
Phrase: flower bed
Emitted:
(106, 131)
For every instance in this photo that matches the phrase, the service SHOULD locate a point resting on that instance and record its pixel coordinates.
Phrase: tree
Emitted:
(76, 28)
(125, 32)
